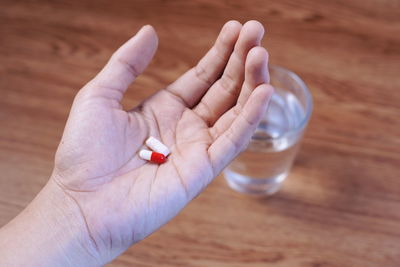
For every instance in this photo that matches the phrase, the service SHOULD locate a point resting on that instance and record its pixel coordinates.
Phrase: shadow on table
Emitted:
(328, 181)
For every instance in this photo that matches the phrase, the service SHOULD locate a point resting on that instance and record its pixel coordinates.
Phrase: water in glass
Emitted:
(263, 166)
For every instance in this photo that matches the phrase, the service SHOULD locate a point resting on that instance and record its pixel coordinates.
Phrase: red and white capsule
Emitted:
(157, 146)
(152, 156)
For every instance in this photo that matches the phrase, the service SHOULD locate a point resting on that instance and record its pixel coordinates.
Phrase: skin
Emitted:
(101, 197)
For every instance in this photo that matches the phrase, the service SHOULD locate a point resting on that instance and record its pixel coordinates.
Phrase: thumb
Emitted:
(128, 62)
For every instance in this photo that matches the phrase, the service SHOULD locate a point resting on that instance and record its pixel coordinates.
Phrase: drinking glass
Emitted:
(264, 165)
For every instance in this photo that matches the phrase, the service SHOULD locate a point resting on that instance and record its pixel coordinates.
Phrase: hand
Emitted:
(206, 118)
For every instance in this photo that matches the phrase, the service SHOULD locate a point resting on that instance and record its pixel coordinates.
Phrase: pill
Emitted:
(157, 146)
(152, 156)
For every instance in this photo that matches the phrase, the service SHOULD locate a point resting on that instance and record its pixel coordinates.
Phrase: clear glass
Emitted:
(264, 165)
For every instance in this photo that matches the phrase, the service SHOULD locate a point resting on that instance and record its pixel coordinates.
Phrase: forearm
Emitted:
(49, 232)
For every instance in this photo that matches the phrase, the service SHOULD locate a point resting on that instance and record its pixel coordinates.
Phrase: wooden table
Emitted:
(341, 203)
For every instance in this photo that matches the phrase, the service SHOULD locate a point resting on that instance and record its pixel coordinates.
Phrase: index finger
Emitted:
(192, 85)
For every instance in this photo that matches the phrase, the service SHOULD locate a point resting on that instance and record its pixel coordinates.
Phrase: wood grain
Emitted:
(341, 203)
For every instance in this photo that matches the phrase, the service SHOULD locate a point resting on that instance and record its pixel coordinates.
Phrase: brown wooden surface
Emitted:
(341, 203)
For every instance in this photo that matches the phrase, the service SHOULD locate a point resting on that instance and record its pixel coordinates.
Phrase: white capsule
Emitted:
(157, 146)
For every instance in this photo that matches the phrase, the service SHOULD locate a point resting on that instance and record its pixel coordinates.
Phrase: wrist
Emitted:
(49, 232)
(68, 226)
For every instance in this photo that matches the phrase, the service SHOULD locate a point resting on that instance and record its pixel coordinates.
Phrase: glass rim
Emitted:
(309, 100)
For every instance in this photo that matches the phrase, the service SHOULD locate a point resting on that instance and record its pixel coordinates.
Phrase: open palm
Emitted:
(206, 118)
